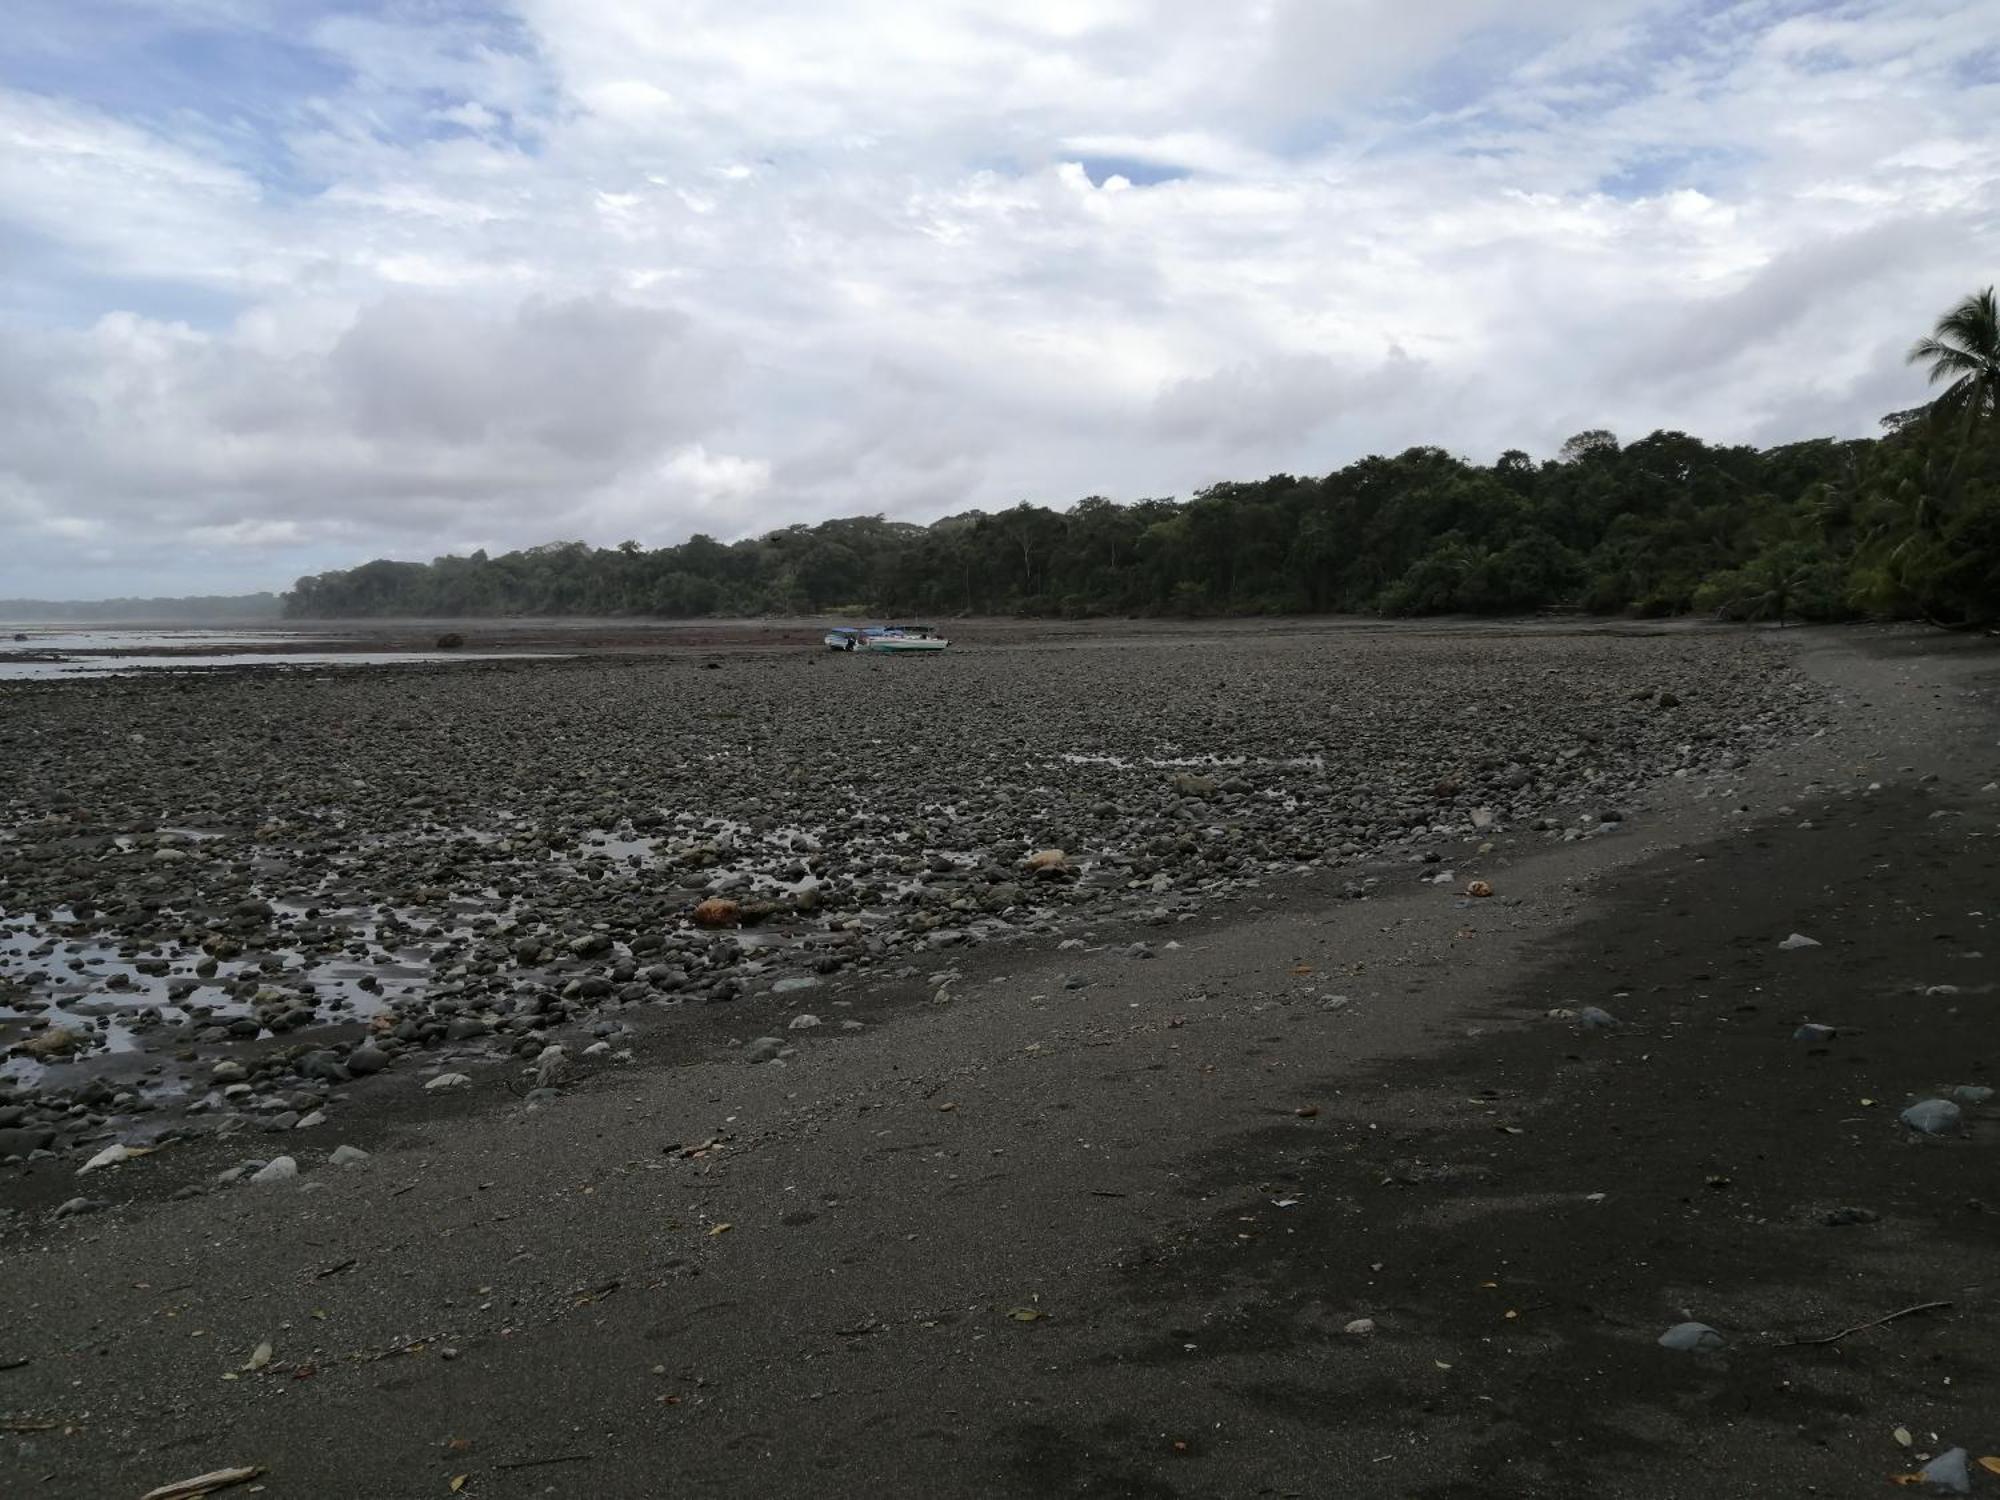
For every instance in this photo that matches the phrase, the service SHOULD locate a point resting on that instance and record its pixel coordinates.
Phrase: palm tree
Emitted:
(1964, 348)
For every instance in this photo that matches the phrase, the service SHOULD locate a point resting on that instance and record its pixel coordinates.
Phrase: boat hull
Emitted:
(908, 647)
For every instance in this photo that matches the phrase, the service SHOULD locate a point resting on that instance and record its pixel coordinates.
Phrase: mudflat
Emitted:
(1242, 1151)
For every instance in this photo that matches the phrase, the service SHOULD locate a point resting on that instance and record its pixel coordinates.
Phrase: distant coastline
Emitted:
(201, 608)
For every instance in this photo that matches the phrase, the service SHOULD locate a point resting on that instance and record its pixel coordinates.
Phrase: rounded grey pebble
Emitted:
(1932, 1117)
(1692, 1337)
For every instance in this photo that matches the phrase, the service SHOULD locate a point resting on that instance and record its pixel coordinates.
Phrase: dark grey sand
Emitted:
(1077, 1182)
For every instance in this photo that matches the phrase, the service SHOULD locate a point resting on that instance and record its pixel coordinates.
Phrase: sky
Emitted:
(294, 284)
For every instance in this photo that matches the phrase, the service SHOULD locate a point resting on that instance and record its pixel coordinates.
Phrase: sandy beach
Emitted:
(1249, 1149)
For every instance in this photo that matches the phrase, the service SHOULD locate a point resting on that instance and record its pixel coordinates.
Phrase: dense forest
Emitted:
(1907, 524)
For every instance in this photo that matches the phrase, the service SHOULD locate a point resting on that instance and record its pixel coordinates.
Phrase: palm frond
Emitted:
(1945, 360)
(1974, 325)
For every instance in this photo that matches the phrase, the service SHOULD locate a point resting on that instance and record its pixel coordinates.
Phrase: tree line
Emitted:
(1905, 524)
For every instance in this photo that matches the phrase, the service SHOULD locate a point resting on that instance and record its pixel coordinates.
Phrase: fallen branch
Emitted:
(203, 1484)
(1834, 1338)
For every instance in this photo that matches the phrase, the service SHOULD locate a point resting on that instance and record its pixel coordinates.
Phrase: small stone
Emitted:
(804, 1022)
(1796, 941)
(347, 1156)
(1692, 1337)
(1812, 1031)
(1972, 1093)
(367, 1058)
(75, 1206)
(448, 1081)
(228, 1071)
(1479, 888)
(1840, 1217)
(307, 1122)
(763, 1050)
(1932, 1116)
(278, 1169)
(1360, 1327)
(110, 1156)
(1593, 1018)
(1949, 1473)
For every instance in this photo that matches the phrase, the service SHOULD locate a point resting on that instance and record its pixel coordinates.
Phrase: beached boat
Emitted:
(899, 640)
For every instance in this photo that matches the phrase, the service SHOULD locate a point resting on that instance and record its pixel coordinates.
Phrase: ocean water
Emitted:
(40, 651)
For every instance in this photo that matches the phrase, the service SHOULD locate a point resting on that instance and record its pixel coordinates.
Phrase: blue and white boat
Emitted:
(898, 640)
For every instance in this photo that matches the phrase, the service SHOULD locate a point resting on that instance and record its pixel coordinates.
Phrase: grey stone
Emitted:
(278, 1169)
(367, 1058)
(1932, 1116)
(803, 1022)
(23, 1139)
(1813, 1031)
(347, 1156)
(1798, 940)
(1950, 1473)
(764, 1049)
(1972, 1093)
(1687, 1337)
(1593, 1018)
(74, 1206)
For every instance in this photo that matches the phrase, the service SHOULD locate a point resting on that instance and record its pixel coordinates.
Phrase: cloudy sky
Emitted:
(294, 283)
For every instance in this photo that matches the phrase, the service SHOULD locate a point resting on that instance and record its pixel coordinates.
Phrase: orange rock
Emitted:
(1479, 888)
(1048, 864)
(716, 912)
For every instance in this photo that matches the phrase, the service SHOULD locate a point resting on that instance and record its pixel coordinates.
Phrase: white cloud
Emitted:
(610, 267)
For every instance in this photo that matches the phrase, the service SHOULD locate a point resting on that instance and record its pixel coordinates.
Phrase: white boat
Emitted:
(895, 640)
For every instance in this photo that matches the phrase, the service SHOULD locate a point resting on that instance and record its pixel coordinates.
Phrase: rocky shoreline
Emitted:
(1632, 1173)
(227, 902)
